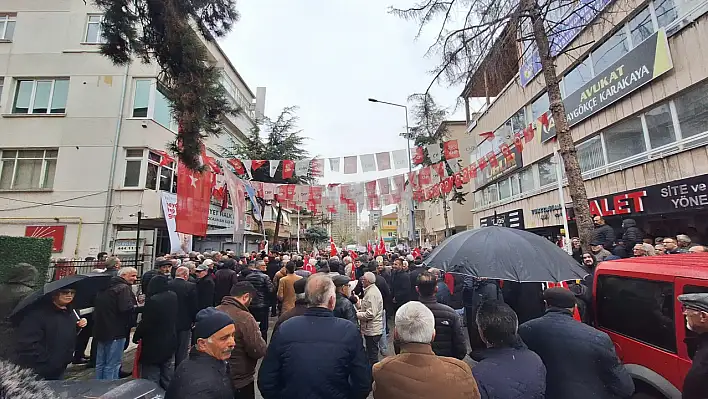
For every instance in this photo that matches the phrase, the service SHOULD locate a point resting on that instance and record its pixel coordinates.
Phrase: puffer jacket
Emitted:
(261, 283)
(632, 235)
(449, 338)
(344, 309)
(370, 312)
(20, 282)
(510, 373)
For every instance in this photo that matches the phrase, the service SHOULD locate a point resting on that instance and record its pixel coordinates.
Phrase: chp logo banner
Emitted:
(179, 242)
(56, 233)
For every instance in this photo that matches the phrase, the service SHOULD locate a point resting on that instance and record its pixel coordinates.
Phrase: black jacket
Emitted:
(45, 340)
(205, 292)
(401, 287)
(224, 279)
(605, 235)
(580, 361)
(157, 326)
(145, 280)
(632, 235)
(273, 267)
(449, 338)
(443, 295)
(186, 303)
(263, 285)
(114, 311)
(695, 385)
(200, 376)
(344, 309)
(510, 373)
(414, 272)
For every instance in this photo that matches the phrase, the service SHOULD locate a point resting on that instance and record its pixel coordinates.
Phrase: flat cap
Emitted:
(697, 301)
(559, 297)
(340, 280)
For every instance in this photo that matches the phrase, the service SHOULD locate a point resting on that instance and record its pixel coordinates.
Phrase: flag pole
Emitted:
(298, 230)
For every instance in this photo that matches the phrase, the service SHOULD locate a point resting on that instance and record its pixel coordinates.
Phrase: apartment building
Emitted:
(389, 228)
(78, 135)
(345, 226)
(635, 86)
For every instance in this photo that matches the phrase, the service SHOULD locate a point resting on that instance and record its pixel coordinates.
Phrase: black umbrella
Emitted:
(86, 286)
(504, 254)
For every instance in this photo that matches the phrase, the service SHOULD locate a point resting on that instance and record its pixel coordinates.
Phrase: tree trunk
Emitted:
(576, 186)
(447, 221)
(277, 224)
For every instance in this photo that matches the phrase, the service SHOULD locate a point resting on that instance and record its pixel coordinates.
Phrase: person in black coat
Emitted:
(507, 369)
(46, 336)
(205, 287)
(631, 233)
(158, 332)
(162, 267)
(224, 279)
(186, 310)
(477, 291)
(603, 233)
(261, 301)
(344, 308)
(400, 285)
(695, 384)
(580, 360)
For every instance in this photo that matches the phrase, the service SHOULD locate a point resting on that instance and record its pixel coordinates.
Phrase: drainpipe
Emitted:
(114, 160)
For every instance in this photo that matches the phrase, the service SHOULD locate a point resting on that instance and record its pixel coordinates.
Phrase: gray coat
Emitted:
(21, 279)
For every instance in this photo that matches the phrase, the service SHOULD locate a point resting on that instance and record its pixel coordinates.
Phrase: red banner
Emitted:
(56, 233)
(193, 193)
(440, 169)
(424, 176)
(288, 168)
(419, 156)
(451, 149)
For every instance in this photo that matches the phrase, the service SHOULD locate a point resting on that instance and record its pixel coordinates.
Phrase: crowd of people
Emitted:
(346, 324)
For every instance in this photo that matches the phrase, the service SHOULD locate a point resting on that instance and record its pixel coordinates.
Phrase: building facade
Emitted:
(635, 86)
(389, 228)
(345, 227)
(80, 137)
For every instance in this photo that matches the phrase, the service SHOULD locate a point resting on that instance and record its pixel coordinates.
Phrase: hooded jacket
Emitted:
(19, 383)
(21, 279)
(114, 311)
(632, 235)
(157, 326)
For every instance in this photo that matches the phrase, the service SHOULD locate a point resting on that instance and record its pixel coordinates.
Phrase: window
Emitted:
(577, 77)
(514, 181)
(526, 180)
(660, 126)
(504, 189)
(692, 110)
(641, 26)
(7, 27)
(547, 172)
(624, 140)
(149, 101)
(389, 223)
(390, 234)
(46, 96)
(493, 193)
(133, 164)
(141, 100)
(590, 154)
(665, 12)
(610, 51)
(518, 120)
(27, 169)
(539, 107)
(636, 308)
(158, 177)
(94, 30)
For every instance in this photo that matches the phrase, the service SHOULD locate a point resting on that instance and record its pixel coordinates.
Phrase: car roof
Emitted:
(677, 265)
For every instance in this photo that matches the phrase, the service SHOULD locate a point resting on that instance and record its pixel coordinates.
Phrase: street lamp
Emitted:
(411, 233)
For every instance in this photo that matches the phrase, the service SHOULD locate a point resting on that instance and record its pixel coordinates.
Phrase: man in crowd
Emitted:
(114, 314)
(599, 251)
(224, 279)
(186, 310)
(400, 285)
(695, 309)
(684, 242)
(255, 275)
(508, 369)
(417, 372)
(370, 315)
(158, 332)
(317, 338)
(671, 246)
(449, 338)
(580, 360)
(603, 234)
(697, 249)
(631, 235)
(162, 267)
(442, 295)
(250, 345)
(286, 292)
(344, 308)
(46, 336)
(205, 287)
(205, 373)
(300, 304)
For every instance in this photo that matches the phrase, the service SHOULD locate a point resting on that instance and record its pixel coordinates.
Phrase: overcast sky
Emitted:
(328, 57)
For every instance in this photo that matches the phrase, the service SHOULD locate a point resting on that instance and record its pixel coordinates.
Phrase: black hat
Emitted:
(209, 321)
(595, 243)
(242, 288)
(559, 297)
(698, 301)
(340, 280)
(299, 286)
(163, 262)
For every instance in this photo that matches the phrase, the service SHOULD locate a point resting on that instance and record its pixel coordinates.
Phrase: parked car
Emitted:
(635, 303)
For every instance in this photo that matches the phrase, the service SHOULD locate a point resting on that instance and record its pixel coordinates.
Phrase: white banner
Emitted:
(273, 166)
(400, 159)
(238, 202)
(179, 242)
(368, 162)
(334, 164)
(302, 167)
(434, 152)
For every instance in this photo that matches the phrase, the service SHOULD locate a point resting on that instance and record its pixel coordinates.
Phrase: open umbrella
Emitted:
(505, 254)
(86, 286)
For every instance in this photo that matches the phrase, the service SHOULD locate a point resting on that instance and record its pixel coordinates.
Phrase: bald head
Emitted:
(320, 291)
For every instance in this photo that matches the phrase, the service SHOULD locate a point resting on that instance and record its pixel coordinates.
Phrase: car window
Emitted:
(639, 309)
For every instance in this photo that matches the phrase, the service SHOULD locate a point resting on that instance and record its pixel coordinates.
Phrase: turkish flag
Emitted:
(165, 158)
(519, 142)
(529, 133)
(238, 166)
(492, 157)
(288, 168)
(332, 248)
(451, 149)
(419, 156)
(193, 194)
(506, 151)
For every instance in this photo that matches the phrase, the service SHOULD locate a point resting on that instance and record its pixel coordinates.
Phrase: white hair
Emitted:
(125, 270)
(683, 238)
(182, 271)
(319, 290)
(415, 323)
(347, 260)
(370, 277)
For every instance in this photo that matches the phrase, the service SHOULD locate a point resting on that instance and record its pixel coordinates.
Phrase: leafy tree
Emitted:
(468, 30)
(316, 235)
(281, 140)
(161, 31)
(429, 129)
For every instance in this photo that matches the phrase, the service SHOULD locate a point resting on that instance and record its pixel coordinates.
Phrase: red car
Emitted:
(635, 304)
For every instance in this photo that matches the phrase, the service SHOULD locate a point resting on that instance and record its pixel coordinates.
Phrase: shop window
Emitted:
(526, 180)
(641, 26)
(577, 77)
(624, 140)
(610, 51)
(539, 107)
(133, 164)
(590, 154)
(692, 110)
(547, 172)
(504, 189)
(660, 126)
(666, 12)
(27, 169)
(640, 309)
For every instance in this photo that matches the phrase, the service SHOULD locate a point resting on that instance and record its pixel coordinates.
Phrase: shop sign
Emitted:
(56, 233)
(513, 219)
(644, 63)
(219, 218)
(491, 174)
(546, 209)
(676, 196)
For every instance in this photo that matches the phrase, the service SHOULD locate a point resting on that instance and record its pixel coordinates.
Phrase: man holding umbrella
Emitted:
(46, 336)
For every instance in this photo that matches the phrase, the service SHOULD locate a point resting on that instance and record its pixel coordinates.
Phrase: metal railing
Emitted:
(62, 268)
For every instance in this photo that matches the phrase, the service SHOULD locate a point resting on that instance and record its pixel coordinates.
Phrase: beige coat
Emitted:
(370, 312)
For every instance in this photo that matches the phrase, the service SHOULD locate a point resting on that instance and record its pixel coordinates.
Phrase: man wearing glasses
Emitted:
(46, 336)
(695, 309)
